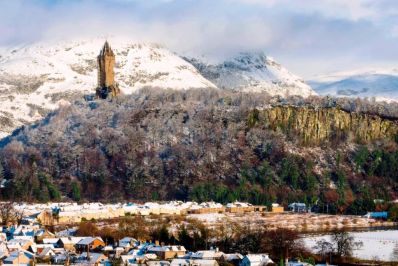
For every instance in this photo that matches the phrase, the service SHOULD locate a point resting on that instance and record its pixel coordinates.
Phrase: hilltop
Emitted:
(39, 77)
(253, 72)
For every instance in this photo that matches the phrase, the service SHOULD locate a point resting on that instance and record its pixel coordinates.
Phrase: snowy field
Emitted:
(377, 245)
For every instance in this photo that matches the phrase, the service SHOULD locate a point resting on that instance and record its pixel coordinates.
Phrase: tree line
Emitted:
(194, 145)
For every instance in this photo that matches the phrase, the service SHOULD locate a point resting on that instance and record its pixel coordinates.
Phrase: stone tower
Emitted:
(106, 75)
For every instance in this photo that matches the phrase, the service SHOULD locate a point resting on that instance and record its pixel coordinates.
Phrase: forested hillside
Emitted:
(208, 145)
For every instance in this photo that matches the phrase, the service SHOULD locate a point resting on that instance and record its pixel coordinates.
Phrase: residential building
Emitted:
(297, 207)
(19, 257)
(213, 254)
(90, 244)
(91, 258)
(68, 243)
(167, 252)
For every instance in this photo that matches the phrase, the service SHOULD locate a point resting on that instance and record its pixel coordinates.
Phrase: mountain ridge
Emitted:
(253, 72)
(380, 84)
(39, 77)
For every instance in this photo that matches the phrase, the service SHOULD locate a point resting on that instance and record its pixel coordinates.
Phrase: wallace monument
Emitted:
(107, 87)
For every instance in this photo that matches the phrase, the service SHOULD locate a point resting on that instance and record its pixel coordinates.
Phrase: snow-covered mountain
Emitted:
(39, 77)
(253, 72)
(36, 78)
(381, 84)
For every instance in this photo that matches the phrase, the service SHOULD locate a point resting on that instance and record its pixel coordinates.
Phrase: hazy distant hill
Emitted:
(380, 84)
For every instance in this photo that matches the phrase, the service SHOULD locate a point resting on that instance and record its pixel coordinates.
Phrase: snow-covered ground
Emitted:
(35, 78)
(377, 245)
(379, 83)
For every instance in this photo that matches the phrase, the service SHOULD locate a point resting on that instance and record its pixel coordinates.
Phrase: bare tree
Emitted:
(282, 243)
(324, 249)
(344, 243)
(8, 214)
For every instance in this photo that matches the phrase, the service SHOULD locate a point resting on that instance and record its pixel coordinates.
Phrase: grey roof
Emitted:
(45, 251)
(94, 257)
(14, 255)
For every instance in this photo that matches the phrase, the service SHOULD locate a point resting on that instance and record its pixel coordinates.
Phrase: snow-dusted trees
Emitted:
(161, 144)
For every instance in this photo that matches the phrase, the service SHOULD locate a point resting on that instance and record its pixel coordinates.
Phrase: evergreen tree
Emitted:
(265, 175)
(290, 172)
(360, 158)
(75, 191)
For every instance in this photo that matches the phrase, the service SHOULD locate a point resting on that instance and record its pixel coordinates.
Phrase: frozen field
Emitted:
(377, 245)
(304, 222)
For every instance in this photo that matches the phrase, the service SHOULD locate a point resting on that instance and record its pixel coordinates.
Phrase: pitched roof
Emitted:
(88, 240)
(34, 247)
(70, 240)
(15, 254)
(18, 242)
(47, 251)
(94, 257)
(42, 232)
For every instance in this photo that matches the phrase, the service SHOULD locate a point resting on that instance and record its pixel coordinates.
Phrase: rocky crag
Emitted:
(317, 125)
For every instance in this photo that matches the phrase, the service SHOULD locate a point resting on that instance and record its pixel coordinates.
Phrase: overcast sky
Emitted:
(309, 37)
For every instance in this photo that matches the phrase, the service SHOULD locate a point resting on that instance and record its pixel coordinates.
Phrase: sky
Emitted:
(309, 37)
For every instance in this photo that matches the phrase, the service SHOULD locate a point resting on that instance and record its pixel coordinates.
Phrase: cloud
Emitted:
(308, 36)
(352, 10)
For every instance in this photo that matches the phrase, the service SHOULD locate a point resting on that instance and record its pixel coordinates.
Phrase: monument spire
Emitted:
(106, 75)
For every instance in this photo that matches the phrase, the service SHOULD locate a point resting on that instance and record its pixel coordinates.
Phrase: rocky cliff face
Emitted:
(325, 124)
